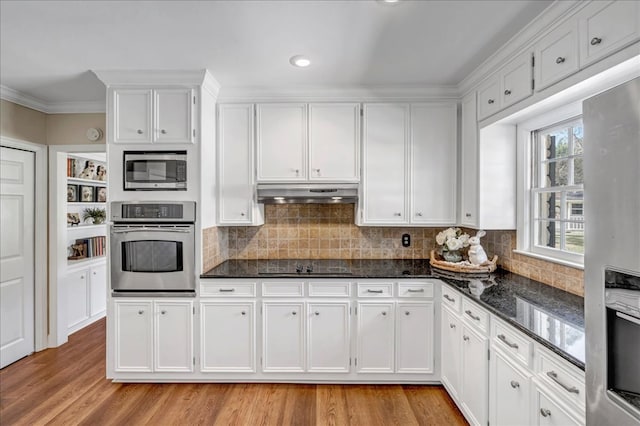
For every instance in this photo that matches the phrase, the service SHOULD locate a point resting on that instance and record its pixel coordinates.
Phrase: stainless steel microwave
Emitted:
(155, 170)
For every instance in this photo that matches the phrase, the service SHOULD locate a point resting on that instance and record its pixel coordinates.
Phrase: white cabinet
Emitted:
(86, 295)
(556, 55)
(509, 391)
(474, 375)
(303, 143)
(328, 337)
(375, 347)
(236, 182)
(283, 337)
(451, 348)
(228, 336)
(605, 27)
(153, 335)
(142, 116)
(547, 410)
(414, 337)
(489, 99)
(409, 164)
(98, 289)
(469, 163)
(334, 142)
(77, 297)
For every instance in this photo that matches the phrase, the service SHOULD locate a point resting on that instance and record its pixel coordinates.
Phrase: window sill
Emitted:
(570, 264)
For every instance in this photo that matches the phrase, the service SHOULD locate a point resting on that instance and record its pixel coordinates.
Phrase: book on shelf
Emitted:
(85, 248)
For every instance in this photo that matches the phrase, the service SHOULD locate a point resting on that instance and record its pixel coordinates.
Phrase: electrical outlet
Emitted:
(406, 240)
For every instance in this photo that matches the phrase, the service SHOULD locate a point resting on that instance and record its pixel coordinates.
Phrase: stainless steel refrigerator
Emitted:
(612, 255)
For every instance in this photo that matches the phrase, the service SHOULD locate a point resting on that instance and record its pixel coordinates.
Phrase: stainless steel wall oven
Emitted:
(153, 248)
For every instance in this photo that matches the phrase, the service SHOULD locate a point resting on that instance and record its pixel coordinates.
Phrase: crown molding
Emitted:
(152, 77)
(79, 107)
(210, 84)
(337, 94)
(556, 12)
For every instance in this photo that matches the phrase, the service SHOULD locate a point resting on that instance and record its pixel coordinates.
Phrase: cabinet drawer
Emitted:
(283, 289)
(451, 298)
(415, 289)
(475, 315)
(375, 290)
(556, 56)
(227, 289)
(329, 289)
(561, 378)
(512, 342)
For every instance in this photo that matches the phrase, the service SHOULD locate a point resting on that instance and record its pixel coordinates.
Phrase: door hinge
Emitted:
(260, 361)
(356, 361)
(349, 362)
(361, 112)
(356, 308)
(260, 310)
(194, 133)
(533, 84)
(533, 61)
(194, 310)
(194, 361)
(194, 100)
(489, 354)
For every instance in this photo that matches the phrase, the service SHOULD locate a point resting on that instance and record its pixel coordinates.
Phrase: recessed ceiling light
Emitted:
(300, 61)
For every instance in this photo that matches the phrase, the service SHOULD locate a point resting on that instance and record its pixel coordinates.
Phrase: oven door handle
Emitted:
(127, 231)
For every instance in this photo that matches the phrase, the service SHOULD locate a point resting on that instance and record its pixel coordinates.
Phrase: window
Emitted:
(556, 202)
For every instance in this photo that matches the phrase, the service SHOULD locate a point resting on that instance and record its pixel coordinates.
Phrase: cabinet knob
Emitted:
(297, 172)
(163, 131)
(490, 101)
(317, 171)
(384, 313)
(596, 40)
(544, 412)
(419, 214)
(294, 313)
(139, 131)
(467, 215)
(397, 214)
(140, 312)
(452, 325)
(515, 384)
(82, 277)
(407, 313)
(94, 272)
(163, 312)
(317, 313)
(507, 92)
(242, 214)
(243, 313)
(560, 60)
(465, 338)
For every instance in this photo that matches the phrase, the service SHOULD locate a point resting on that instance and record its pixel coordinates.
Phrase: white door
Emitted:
(475, 375)
(174, 115)
(228, 336)
(283, 337)
(451, 345)
(328, 334)
(516, 80)
(17, 188)
(508, 392)
(98, 289)
(469, 164)
(414, 338)
(134, 335)
(173, 336)
(375, 337)
(132, 116)
(77, 298)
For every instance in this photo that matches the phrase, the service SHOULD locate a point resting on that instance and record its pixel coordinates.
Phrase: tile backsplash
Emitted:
(327, 231)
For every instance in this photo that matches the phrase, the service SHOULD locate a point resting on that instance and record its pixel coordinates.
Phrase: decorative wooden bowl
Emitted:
(465, 266)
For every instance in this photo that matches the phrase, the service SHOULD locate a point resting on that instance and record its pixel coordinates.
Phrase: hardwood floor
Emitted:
(67, 385)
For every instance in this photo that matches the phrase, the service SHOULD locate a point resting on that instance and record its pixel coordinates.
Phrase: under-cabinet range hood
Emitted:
(306, 193)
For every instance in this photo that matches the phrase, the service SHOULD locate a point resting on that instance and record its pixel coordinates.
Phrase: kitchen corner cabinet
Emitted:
(308, 143)
(153, 336)
(237, 205)
(409, 165)
(145, 116)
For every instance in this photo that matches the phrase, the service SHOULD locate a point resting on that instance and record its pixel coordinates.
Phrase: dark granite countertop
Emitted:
(548, 315)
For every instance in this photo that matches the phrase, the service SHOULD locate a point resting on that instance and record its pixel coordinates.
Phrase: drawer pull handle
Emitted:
(465, 338)
(515, 384)
(596, 40)
(560, 60)
(544, 412)
(452, 326)
(413, 290)
(468, 312)
(506, 342)
(227, 290)
(554, 376)
(374, 291)
(449, 298)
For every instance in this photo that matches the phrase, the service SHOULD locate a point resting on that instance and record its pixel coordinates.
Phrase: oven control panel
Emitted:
(147, 211)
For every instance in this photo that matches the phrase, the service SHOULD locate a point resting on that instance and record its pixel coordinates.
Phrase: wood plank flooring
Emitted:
(67, 386)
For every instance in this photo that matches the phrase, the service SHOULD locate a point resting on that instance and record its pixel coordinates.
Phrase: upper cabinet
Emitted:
(469, 163)
(557, 55)
(302, 143)
(142, 116)
(409, 164)
(606, 27)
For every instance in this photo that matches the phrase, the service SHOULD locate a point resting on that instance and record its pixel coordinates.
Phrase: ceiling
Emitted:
(47, 48)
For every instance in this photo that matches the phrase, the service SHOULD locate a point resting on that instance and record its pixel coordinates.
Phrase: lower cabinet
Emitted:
(283, 343)
(153, 335)
(228, 336)
(328, 337)
(86, 295)
(509, 392)
(375, 348)
(474, 375)
(451, 349)
(547, 410)
(414, 337)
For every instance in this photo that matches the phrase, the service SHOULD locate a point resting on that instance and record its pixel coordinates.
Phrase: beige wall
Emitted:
(29, 125)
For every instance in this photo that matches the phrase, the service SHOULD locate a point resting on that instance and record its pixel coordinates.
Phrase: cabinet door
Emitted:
(334, 142)
(235, 164)
(489, 98)
(385, 143)
(548, 411)
(174, 116)
(414, 338)
(77, 297)
(133, 336)
(433, 164)
(283, 337)
(509, 392)
(328, 337)
(475, 375)
(606, 27)
(174, 336)
(132, 116)
(469, 163)
(281, 142)
(375, 338)
(451, 339)
(98, 289)
(556, 55)
(228, 336)
(517, 77)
